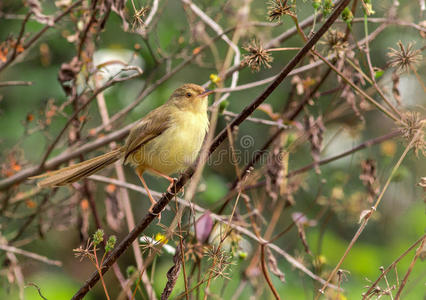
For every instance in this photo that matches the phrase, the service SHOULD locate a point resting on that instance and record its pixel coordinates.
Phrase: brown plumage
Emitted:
(165, 141)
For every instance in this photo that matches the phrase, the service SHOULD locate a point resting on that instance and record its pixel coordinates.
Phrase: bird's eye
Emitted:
(188, 95)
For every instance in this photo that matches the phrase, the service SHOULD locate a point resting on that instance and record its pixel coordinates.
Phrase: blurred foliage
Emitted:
(399, 221)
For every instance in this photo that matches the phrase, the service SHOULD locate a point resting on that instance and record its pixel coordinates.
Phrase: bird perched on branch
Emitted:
(165, 141)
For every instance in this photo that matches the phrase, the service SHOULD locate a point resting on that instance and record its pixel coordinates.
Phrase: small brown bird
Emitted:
(165, 141)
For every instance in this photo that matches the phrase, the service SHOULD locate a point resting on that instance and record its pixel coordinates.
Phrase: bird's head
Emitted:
(191, 97)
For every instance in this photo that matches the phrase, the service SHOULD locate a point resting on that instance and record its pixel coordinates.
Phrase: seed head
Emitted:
(257, 56)
(278, 8)
(335, 43)
(413, 123)
(404, 58)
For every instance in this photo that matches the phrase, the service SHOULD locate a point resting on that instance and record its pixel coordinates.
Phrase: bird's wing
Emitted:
(151, 126)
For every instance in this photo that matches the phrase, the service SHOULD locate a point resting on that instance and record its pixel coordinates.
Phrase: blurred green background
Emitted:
(399, 221)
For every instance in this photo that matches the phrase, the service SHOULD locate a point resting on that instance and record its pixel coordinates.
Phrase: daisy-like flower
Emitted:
(404, 58)
(257, 56)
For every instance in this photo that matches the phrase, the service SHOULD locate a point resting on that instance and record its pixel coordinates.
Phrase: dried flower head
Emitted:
(413, 128)
(138, 17)
(84, 252)
(278, 8)
(220, 262)
(150, 245)
(335, 43)
(257, 56)
(404, 58)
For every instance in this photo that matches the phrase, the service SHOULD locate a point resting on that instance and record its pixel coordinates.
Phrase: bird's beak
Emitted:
(206, 93)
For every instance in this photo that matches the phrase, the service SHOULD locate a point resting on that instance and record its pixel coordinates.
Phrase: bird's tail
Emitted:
(78, 171)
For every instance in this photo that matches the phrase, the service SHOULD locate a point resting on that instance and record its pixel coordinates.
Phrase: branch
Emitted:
(291, 260)
(366, 144)
(39, 34)
(167, 197)
(392, 265)
(31, 255)
(80, 108)
(65, 156)
(15, 83)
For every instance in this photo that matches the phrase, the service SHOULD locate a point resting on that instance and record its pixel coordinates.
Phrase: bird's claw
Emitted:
(169, 189)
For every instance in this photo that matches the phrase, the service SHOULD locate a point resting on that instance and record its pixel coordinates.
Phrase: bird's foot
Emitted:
(172, 183)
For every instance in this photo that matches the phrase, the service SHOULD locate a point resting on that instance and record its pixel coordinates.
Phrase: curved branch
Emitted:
(167, 197)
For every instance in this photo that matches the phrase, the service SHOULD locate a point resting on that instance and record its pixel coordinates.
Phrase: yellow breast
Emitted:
(178, 146)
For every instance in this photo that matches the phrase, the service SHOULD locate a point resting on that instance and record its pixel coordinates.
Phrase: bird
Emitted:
(166, 141)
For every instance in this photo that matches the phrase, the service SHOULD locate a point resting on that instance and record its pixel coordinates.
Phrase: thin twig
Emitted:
(218, 218)
(79, 109)
(167, 197)
(31, 255)
(410, 268)
(30, 42)
(392, 265)
(15, 83)
(370, 213)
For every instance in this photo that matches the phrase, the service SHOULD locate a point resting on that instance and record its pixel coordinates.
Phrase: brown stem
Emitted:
(166, 198)
(361, 146)
(40, 33)
(77, 111)
(410, 268)
(87, 28)
(15, 83)
(266, 273)
(260, 153)
(392, 265)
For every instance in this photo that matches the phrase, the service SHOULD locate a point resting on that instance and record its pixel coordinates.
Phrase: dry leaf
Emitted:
(68, 72)
(35, 8)
(273, 265)
(315, 129)
(395, 90)
(277, 169)
(369, 178)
